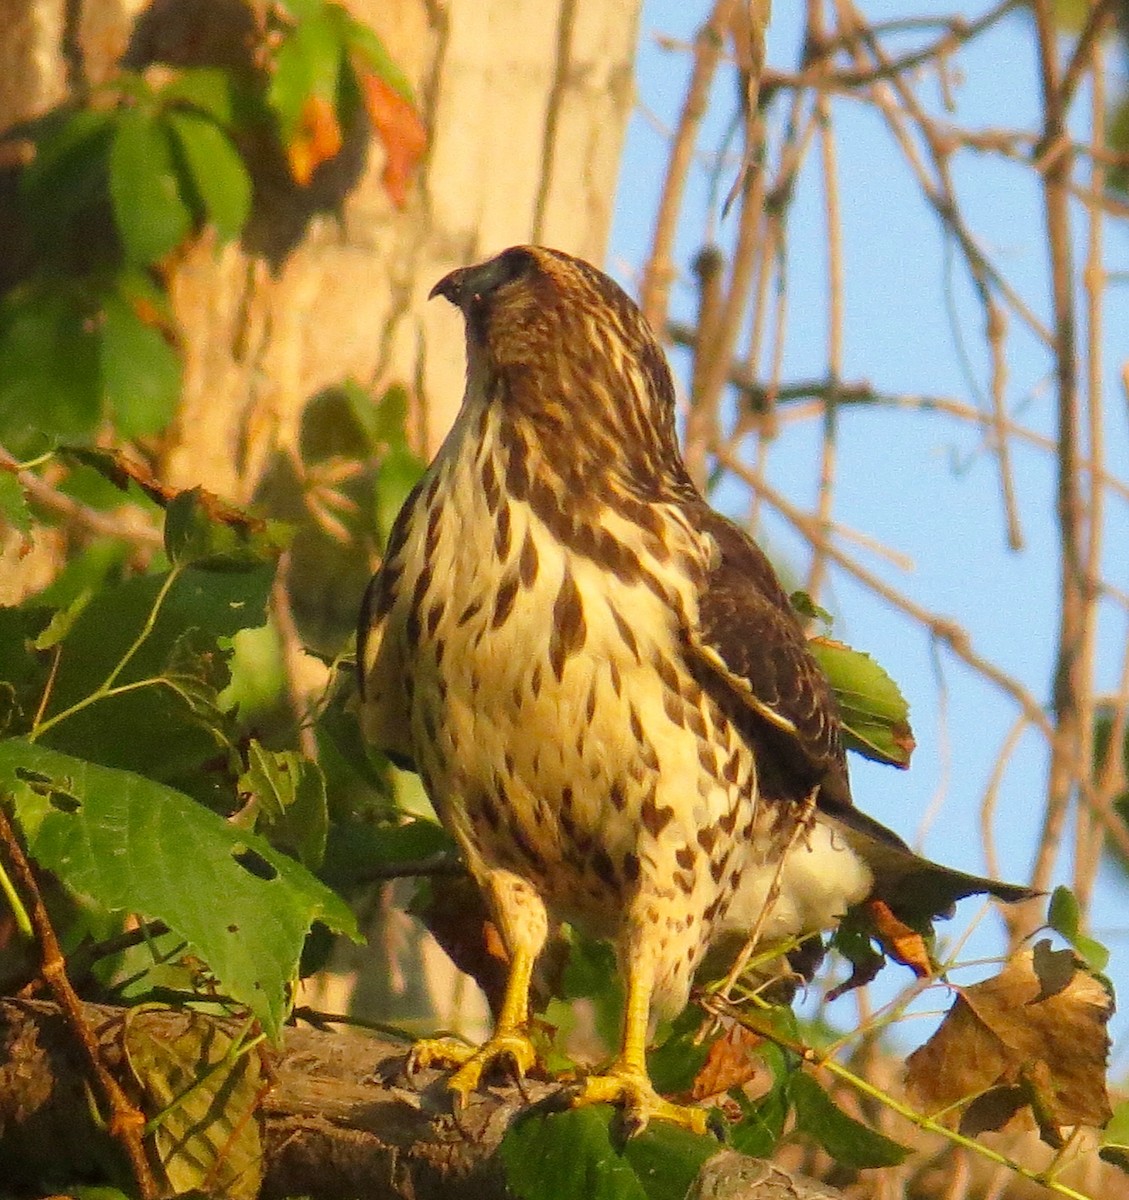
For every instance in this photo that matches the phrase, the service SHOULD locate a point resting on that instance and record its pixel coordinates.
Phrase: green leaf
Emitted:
(210, 90)
(1064, 916)
(399, 473)
(354, 848)
(131, 845)
(13, 503)
(568, 1156)
(151, 215)
(387, 419)
(290, 793)
(140, 369)
(1063, 913)
(591, 974)
(23, 670)
(69, 173)
(848, 1141)
(761, 1126)
(203, 531)
(809, 610)
(874, 713)
(667, 1159)
(215, 170)
(675, 1062)
(49, 381)
(160, 635)
(307, 64)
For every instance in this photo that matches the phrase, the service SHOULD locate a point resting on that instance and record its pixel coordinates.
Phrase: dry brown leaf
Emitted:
(317, 139)
(901, 943)
(1011, 1042)
(398, 125)
(729, 1064)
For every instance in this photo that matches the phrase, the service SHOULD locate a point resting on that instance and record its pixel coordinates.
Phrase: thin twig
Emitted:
(660, 265)
(62, 505)
(126, 1122)
(945, 630)
(1069, 684)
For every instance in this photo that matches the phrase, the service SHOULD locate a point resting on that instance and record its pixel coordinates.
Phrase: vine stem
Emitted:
(719, 1006)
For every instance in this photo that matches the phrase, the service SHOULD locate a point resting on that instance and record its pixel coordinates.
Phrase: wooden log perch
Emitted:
(337, 1116)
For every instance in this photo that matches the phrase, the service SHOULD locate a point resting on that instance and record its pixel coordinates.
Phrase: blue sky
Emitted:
(921, 484)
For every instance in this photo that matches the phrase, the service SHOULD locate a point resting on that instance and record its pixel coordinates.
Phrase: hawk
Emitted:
(604, 688)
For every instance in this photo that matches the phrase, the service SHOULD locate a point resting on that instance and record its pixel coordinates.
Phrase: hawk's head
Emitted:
(569, 355)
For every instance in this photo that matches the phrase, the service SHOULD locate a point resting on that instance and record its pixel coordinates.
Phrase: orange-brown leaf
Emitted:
(316, 140)
(398, 126)
(1008, 1043)
(901, 943)
(729, 1064)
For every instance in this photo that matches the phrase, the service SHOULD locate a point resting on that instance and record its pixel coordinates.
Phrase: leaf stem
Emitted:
(19, 912)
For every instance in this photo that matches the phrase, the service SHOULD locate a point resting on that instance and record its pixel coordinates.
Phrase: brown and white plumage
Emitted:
(600, 680)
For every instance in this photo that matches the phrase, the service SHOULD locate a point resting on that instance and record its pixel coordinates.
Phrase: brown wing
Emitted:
(750, 654)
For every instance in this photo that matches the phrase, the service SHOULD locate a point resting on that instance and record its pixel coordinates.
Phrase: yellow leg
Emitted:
(522, 919)
(626, 1081)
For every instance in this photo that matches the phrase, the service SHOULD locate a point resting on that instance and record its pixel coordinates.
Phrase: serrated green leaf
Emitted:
(1093, 952)
(874, 713)
(201, 531)
(848, 1141)
(161, 637)
(290, 792)
(132, 845)
(215, 170)
(568, 1156)
(150, 213)
(49, 380)
(140, 369)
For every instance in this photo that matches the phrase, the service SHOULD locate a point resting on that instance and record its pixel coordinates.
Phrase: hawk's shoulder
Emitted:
(750, 654)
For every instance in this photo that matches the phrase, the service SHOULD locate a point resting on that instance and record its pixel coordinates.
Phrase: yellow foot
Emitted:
(511, 1048)
(636, 1094)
